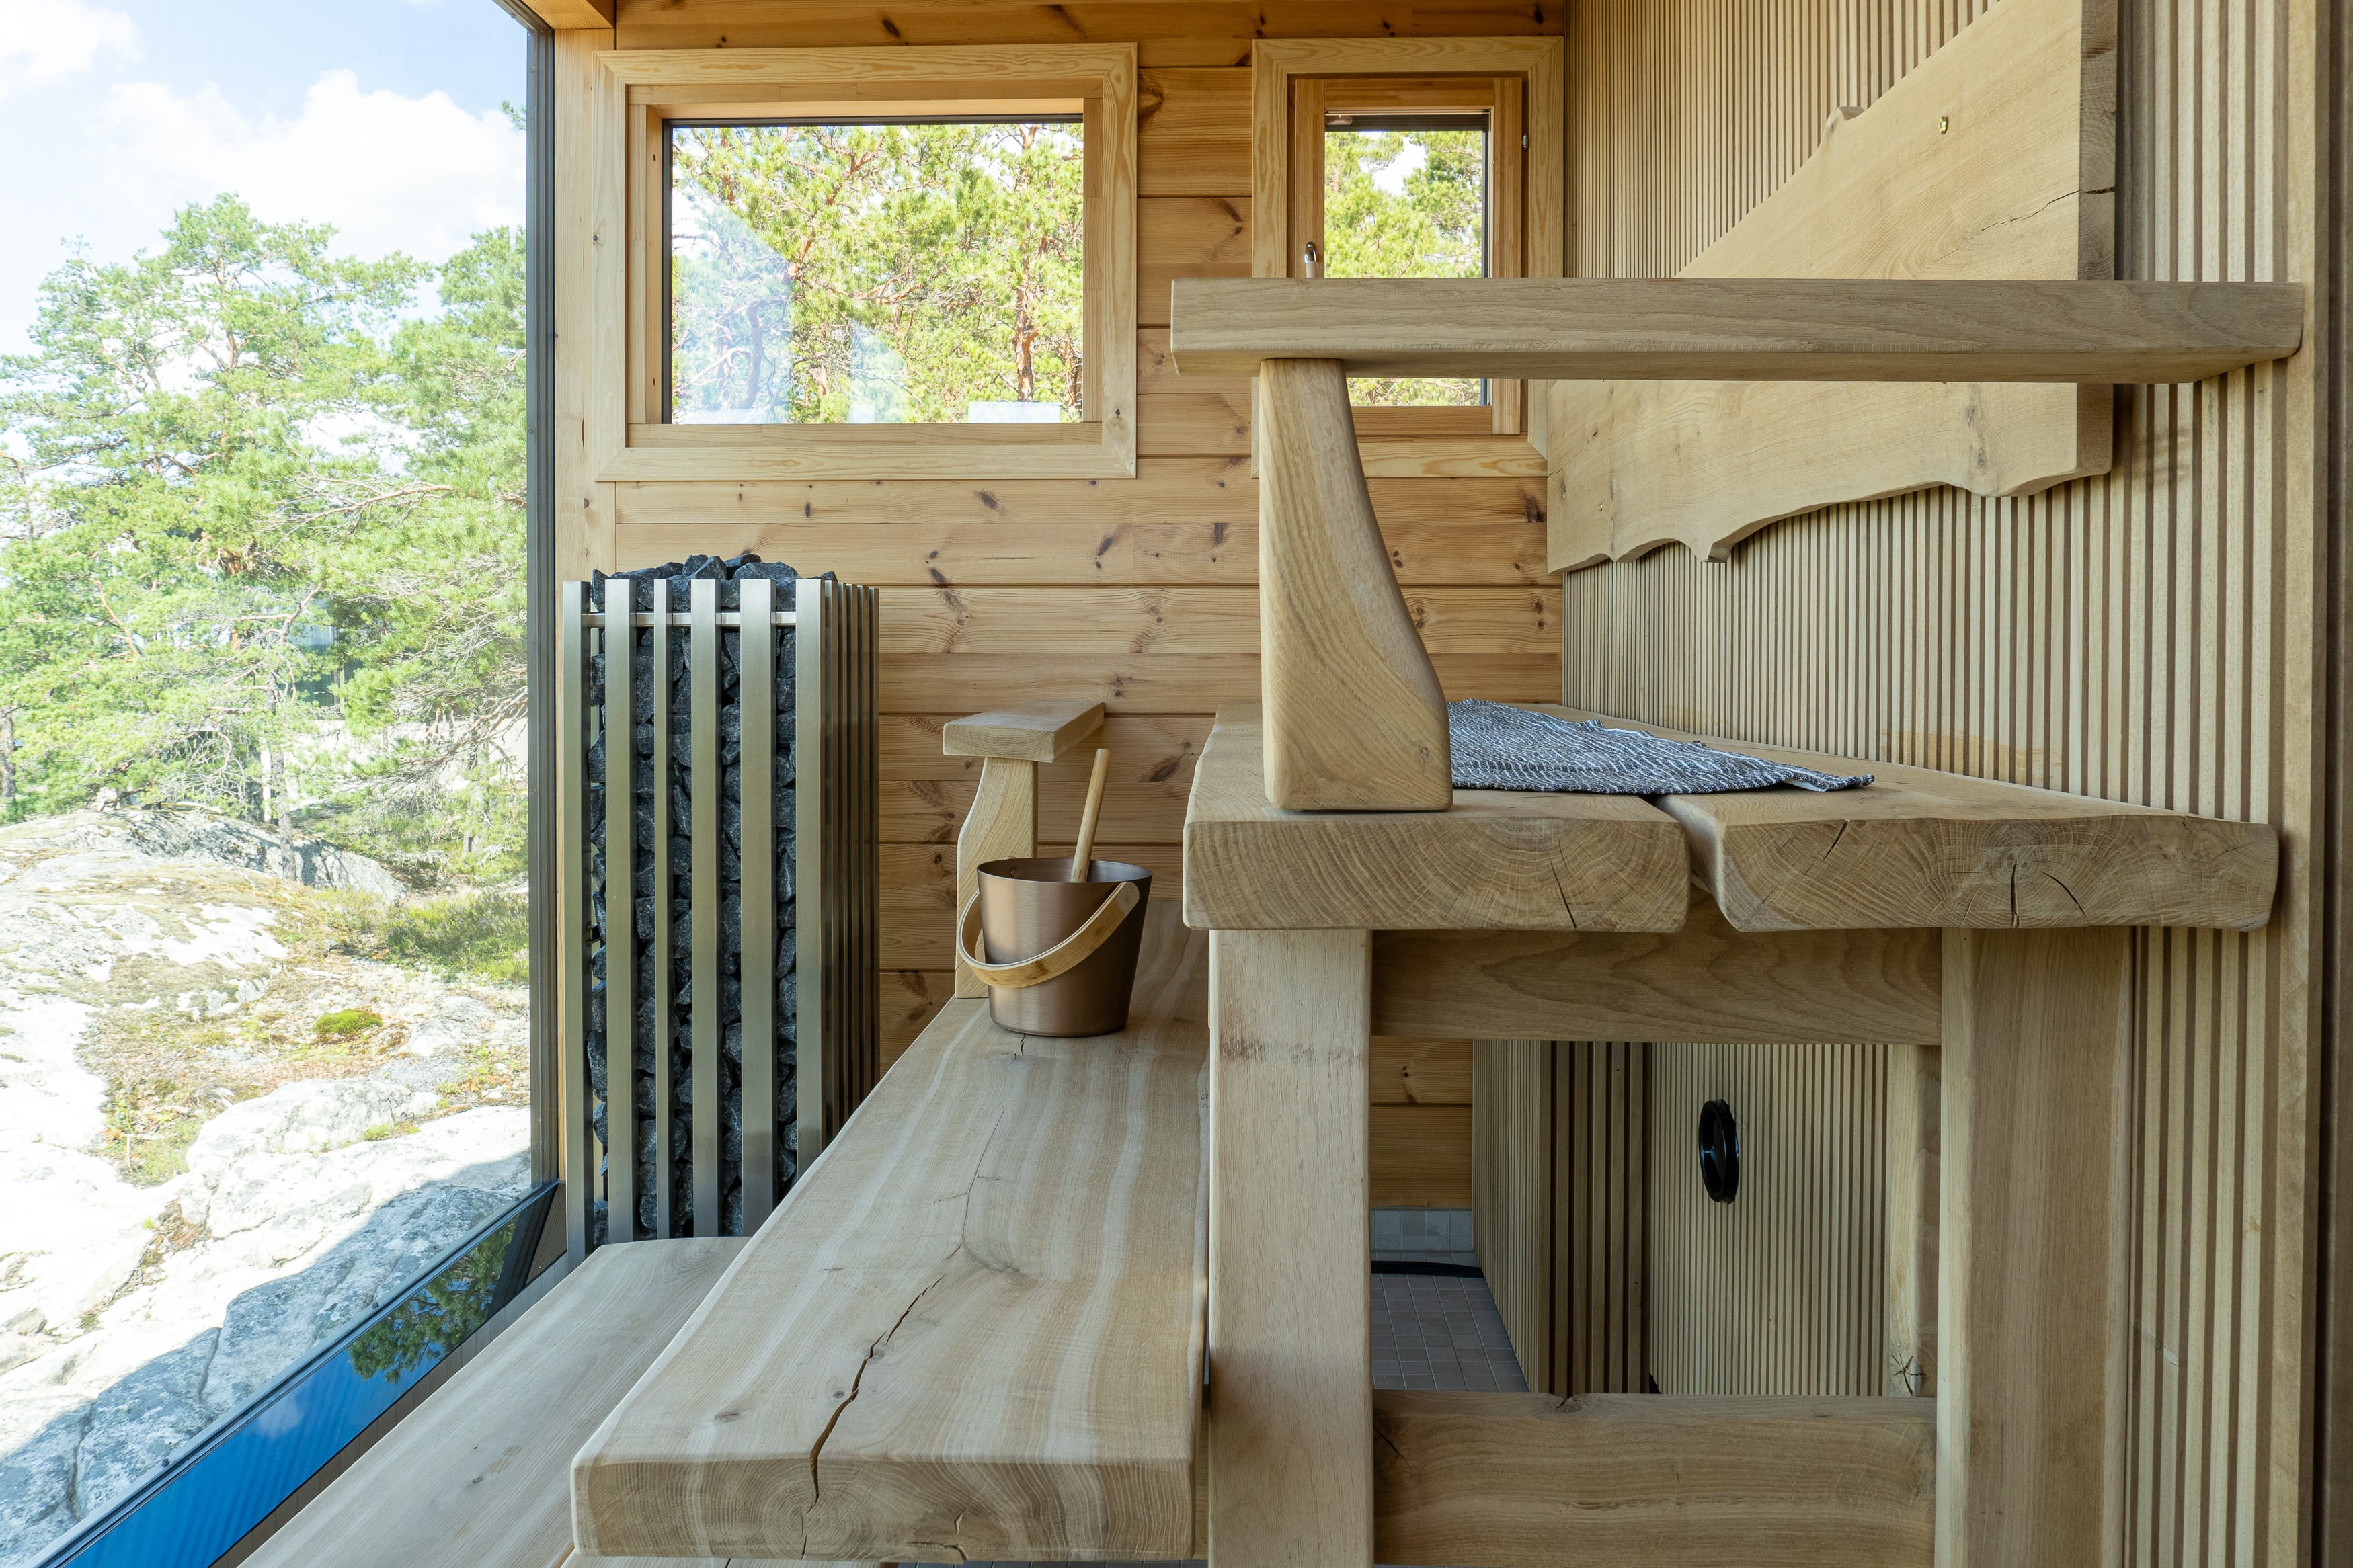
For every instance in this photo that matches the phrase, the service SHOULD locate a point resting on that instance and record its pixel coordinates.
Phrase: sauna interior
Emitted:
(1943, 1169)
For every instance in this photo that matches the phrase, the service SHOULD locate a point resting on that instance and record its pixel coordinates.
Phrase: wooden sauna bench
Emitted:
(1984, 922)
(974, 1330)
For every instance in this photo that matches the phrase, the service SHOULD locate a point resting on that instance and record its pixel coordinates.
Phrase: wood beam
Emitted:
(1291, 1373)
(1001, 825)
(1356, 718)
(2033, 1324)
(1531, 1480)
(1735, 329)
(1706, 982)
(1496, 861)
(1045, 732)
(566, 14)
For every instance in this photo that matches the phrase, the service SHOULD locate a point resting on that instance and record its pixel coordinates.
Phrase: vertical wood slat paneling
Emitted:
(1511, 1212)
(1782, 1290)
(578, 1154)
(1561, 1206)
(2142, 636)
(1603, 1208)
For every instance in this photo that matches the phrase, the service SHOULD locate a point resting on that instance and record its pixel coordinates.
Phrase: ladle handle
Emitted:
(1083, 858)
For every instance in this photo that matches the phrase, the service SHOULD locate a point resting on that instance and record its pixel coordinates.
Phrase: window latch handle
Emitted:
(1313, 259)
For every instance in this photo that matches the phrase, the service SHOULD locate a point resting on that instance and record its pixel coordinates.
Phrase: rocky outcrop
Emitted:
(132, 1316)
(313, 862)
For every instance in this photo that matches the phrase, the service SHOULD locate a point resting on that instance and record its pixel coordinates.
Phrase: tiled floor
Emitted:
(1440, 1332)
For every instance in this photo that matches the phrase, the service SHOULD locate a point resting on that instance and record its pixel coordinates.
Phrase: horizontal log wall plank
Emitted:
(1164, 682)
(1052, 621)
(1420, 1156)
(1210, 33)
(1410, 1070)
(1193, 132)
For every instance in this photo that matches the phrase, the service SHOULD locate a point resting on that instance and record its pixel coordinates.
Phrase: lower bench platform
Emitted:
(476, 1476)
(973, 1330)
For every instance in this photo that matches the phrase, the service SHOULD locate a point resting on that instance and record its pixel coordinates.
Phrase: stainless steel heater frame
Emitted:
(835, 870)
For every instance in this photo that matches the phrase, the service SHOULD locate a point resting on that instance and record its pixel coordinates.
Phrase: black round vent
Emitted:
(1719, 1151)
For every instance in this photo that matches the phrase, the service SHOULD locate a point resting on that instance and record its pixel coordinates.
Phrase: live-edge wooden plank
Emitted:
(974, 1329)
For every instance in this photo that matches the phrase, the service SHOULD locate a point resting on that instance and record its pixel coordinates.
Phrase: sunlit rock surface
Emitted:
(135, 1312)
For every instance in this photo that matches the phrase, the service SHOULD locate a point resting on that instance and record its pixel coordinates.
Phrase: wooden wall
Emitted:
(1562, 1199)
(1782, 1290)
(1139, 591)
(2148, 636)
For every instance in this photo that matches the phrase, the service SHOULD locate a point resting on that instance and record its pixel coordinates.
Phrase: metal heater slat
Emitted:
(864, 902)
(571, 815)
(620, 937)
(665, 1092)
(810, 632)
(756, 668)
(703, 835)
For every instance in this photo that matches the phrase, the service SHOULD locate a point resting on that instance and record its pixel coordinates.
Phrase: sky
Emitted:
(380, 117)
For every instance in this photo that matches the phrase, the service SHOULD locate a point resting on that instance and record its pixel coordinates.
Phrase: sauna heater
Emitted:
(720, 1008)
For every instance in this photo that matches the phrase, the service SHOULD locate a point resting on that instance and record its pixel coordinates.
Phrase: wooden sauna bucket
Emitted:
(1059, 956)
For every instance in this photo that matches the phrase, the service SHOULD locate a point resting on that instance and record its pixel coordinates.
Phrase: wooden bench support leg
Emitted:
(1290, 1400)
(2031, 1289)
(1001, 825)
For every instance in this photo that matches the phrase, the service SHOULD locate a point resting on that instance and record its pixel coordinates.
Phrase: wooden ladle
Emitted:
(1083, 858)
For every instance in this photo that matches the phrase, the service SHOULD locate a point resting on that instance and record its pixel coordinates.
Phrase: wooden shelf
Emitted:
(1737, 328)
(974, 1328)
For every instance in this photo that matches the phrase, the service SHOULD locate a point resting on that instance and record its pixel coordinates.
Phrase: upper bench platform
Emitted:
(1917, 849)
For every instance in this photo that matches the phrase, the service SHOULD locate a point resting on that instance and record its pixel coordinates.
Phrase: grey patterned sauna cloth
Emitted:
(1497, 747)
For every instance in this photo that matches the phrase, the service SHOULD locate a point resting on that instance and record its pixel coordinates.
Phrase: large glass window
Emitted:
(887, 272)
(263, 1011)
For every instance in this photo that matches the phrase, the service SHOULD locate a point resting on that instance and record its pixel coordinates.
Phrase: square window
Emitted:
(899, 271)
(900, 263)
(1413, 158)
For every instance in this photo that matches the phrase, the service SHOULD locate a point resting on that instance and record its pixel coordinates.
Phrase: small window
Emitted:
(900, 263)
(901, 271)
(1408, 196)
(1411, 158)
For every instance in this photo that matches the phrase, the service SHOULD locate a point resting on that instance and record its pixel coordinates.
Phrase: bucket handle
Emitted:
(1059, 959)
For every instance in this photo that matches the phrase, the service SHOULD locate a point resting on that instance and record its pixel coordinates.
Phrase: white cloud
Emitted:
(44, 41)
(391, 173)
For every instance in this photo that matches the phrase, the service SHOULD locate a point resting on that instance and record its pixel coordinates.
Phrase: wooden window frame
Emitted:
(641, 89)
(1295, 81)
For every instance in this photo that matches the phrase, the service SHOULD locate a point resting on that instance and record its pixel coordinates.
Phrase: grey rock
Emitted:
(37, 1486)
(137, 1423)
(313, 862)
